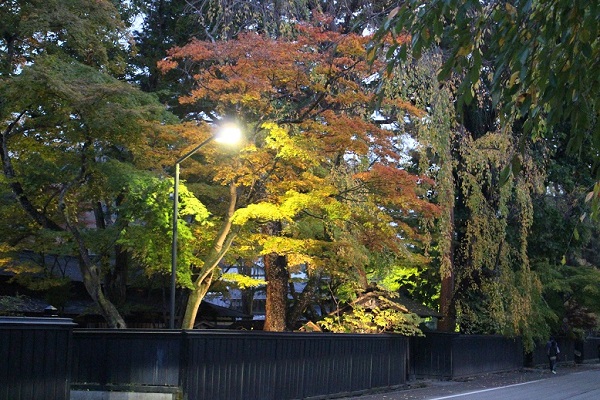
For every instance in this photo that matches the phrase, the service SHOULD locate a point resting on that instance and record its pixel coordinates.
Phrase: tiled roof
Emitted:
(402, 303)
(21, 305)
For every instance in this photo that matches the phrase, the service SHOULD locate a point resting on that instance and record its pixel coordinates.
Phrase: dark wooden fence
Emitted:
(478, 354)
(126, 359)
(589, 350)
(538, 357)
(571, 351)
(238, 365)
(42, 356)
(35, 358)
(448, 355)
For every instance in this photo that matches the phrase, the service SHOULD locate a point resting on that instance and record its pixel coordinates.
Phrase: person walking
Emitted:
(552, 351)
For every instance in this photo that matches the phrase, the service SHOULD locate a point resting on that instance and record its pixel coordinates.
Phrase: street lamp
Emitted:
(227, 133)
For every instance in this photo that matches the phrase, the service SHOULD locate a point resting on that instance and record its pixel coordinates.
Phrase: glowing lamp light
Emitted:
(228, 133)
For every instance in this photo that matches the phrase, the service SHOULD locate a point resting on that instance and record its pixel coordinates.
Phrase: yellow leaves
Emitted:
(287, 147)
(317, 90)
(260, 212)
(292, 203)
(249, 98)
(465, 50)
(295, 202)
(494, 147)
(242, 281)
(374, 320)
(296, 250)
(507, 282)
(514, 79)
(5, 257)
(20, 268)
(299, 252)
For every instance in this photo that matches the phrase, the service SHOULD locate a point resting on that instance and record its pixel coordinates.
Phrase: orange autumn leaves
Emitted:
(321, 86)
(320, 81)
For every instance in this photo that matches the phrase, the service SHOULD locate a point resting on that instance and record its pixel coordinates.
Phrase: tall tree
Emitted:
(156, 27)
(487, 283)
(518, 64)
(437, 137)
(64, 117)
(304, 104)
(159, 25)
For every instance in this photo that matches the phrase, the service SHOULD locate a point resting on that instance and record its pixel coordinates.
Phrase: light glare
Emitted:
(228, 133)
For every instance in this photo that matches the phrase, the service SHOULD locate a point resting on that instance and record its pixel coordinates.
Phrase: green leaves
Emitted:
(145, 221)
(65, 118)
(547, 45)
(89, 32)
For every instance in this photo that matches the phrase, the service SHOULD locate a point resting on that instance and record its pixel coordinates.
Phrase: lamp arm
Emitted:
(195, 149)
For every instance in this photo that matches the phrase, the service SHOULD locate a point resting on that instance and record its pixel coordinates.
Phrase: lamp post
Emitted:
(228, 133)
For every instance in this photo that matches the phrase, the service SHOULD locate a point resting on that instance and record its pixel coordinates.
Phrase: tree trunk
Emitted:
(116, 275)
(221, 245)
(107, 308)
(194, 300)
(277, 278)
(447, 306)
(448, 321)
(277, 284)
(92, 278)
(303, 300)
(89, 271)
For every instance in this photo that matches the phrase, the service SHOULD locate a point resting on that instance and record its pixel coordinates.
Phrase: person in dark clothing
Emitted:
(552, 351)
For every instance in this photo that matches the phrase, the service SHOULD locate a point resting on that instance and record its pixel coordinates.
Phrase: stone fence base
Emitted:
(78, 392)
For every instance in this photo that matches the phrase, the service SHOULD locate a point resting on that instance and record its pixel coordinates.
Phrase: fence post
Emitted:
(184, 346)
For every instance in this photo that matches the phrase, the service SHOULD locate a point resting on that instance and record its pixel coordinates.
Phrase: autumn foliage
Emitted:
(322, 152)
(309, 101)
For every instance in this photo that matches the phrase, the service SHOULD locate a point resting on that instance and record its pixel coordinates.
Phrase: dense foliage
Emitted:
(453, 157)
(317, 176)
(516, 71)
(70, 129)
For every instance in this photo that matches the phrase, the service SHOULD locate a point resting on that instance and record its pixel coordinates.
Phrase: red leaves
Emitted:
(398, 189)
(293, 80)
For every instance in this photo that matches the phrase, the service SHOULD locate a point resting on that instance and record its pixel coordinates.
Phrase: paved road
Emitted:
(572, 383)
(577, 386)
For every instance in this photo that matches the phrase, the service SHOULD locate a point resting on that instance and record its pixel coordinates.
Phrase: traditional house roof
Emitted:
(21, 305)
(382, 300)
(214, 316)
(418, 308)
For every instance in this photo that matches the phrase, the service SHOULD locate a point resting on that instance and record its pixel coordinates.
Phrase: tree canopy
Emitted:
(538, 59)
(518, 75)
(316, 162)
(66, 121)
(451, 157)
